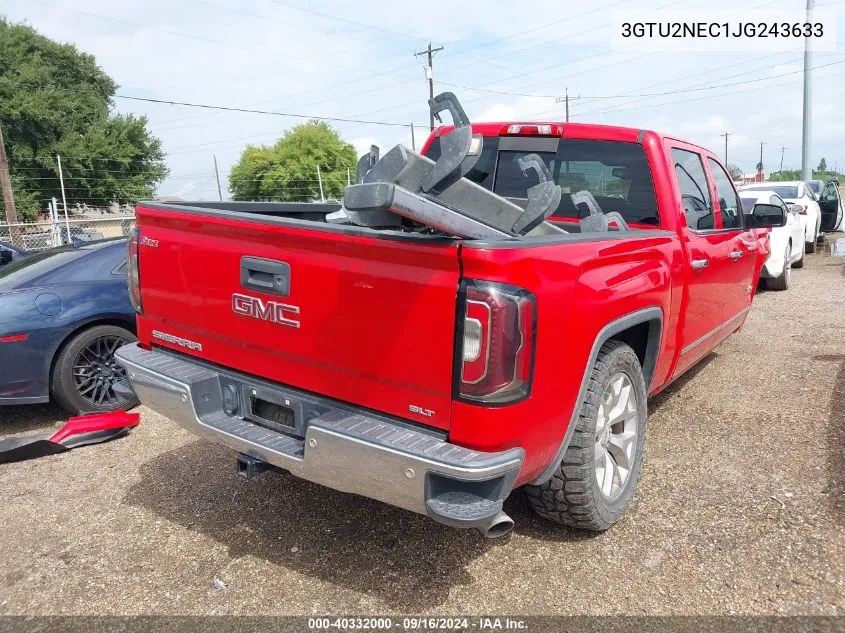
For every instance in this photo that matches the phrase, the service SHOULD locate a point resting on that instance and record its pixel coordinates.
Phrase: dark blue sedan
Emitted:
(63, 313)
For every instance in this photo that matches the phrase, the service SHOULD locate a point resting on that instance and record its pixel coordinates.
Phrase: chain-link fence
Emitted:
(35, 236)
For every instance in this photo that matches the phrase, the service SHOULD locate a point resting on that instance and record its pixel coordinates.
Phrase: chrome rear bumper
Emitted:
(342, 448)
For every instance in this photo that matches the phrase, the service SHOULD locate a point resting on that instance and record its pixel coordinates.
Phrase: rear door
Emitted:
(743, 252)
(365, 320)
(831, 207)
(708, 259)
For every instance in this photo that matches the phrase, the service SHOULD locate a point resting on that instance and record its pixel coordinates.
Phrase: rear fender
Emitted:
(654, 317)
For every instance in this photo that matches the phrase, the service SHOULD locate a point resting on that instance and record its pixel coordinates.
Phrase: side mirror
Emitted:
(767, 215)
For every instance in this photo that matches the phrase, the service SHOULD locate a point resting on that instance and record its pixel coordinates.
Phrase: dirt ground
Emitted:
(740, 509)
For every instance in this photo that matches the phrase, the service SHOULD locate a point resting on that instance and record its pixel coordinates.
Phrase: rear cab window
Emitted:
(616, 173)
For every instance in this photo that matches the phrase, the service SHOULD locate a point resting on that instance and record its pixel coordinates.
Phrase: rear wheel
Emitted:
(800, 262)
(781, 282)
(86, 377)
(595, 482)
(810, 247)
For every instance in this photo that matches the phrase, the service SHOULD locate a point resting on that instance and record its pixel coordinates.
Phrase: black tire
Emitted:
(75, 353)
(573, 496)
(782, 281)
(800, 262)
(810, 247)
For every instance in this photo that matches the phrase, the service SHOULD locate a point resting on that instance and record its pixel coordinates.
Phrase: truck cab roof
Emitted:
(557, 128)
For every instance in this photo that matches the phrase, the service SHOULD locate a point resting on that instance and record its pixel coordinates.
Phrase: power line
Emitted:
(193, 37)
(346, 20)
(552, 80)
(647, 94)
(713, 96)
(298, 25)
(545, 81)
(459, 51)
(234, 109)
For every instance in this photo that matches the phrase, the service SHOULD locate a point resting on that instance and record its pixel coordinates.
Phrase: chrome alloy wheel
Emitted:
(617, 427)
(95, 372)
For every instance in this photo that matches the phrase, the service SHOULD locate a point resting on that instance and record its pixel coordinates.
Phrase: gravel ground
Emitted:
(740, 509)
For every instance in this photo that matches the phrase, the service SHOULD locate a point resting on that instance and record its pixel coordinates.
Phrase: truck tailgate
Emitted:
(366, 320)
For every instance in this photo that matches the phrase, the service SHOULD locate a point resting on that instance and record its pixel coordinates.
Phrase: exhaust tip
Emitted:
(501, 525)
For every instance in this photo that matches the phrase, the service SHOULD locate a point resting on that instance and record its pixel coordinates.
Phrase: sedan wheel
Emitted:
(96, 373)
(782, 282)
(86, 377)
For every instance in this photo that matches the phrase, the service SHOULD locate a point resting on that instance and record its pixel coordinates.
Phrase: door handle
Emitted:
(735, 255)
(698, 264)
(266, 275)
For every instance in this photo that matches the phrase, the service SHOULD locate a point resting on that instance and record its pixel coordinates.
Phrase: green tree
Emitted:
(735, 171)
(822, 166)
(55, 99)
(287, 170)
(785, 175)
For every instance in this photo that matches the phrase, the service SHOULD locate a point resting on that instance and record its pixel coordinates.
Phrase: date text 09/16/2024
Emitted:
(417, 623)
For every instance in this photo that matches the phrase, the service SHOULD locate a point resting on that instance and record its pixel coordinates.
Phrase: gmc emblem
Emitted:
(265, 310)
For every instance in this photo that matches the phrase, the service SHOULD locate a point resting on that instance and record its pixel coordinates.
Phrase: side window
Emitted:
(829, 194)
(695, 193)
(730, 207)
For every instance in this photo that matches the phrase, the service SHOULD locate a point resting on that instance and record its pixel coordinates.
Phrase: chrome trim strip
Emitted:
(714, 331)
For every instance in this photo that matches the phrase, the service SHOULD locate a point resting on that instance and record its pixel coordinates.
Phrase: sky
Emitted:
(504, 60)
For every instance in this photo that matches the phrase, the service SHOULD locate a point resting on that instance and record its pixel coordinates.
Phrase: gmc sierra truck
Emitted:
(489, 314)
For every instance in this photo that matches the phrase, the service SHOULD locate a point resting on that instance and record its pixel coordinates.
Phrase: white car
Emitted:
(786, 243)
(798, 193)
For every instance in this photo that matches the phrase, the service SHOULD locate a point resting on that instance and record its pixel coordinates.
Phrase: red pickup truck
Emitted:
(435, 371)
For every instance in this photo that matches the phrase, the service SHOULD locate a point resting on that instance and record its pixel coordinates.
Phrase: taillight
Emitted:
(134, 275)
(496, 334)
(802, 209)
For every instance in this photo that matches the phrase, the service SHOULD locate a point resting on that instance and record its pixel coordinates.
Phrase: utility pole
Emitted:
(726, 135)
(564, 100)
(320, 182)
(217, 175)
(413, 140)
(806, 141)
(429, 74)
(782, 150)
(8, 197)
(64, 200)
(566, 97)
(760, 164)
